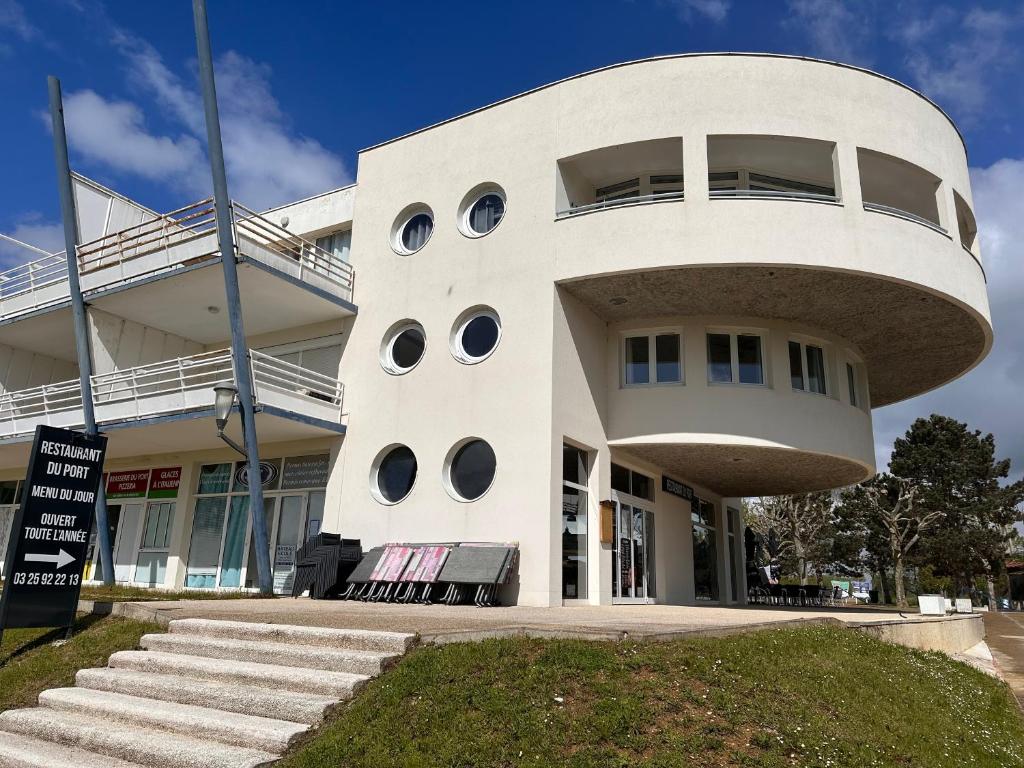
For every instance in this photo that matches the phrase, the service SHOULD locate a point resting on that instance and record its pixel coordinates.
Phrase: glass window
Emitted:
(638, 362)
(668, 361)
(251, 572)
(642, 485)
(653, 358)
(9, 492)
(796, 367)
(471, 470)
(748, 352)
(416, 231)
(338, 244)
(719, 357)
(485, 214)
(851, 380)
(234, 542)
(403, 348)
(396, 474)
(476, 336)
(574, 523)
(159, 521)
(315, 513)
(815, 369)
(705, 551)
(574, 465)
(204, 551)
(620, 478)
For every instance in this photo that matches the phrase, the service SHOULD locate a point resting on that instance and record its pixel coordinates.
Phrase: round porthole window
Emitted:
(412, 229)
(482, 210)
(403, 347)
(469, 469)
(393, 474)
(476, 335)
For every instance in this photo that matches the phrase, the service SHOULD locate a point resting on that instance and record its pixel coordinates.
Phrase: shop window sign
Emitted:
(269, 474)
(305, 472)
(123, 485)
(164, 483)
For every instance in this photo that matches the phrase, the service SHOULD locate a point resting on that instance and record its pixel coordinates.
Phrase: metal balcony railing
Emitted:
(657, 197)
(172, 386)
(180, 238)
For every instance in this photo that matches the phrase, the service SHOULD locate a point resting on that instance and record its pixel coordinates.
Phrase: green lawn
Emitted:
(30, 662)
(125, 594)
(819, 696)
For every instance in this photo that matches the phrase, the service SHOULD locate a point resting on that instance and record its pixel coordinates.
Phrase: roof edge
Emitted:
(665, 58)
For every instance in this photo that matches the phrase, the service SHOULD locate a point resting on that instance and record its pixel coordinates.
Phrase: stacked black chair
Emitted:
(323, 564)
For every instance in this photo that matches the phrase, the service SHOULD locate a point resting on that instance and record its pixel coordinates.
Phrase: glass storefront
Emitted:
(574, 523)
(633, 572)
(221, 553)
(705, 550)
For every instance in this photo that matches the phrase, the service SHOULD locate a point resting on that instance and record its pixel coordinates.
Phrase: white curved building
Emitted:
(589, 318)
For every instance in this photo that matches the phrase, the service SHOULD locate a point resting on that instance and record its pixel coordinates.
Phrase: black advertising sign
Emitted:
(50, 535)
(676, 488)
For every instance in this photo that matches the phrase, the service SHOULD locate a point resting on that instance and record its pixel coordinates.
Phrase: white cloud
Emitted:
(32, 229)
(13, 18)
(114, 134)
(267, 161)
(713, 10)
(834, 30)
(987, 398)
(952, 57)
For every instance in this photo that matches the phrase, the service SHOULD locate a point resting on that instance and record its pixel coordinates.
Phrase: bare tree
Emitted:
(892, 502)
(798, 523)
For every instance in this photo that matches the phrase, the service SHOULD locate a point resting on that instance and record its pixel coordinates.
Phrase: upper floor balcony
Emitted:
(168, 406)
(164, 273)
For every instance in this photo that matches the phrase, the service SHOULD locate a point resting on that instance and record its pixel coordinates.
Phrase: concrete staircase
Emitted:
(209, 694)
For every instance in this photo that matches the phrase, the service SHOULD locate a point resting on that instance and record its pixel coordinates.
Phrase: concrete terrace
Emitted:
(441, 623)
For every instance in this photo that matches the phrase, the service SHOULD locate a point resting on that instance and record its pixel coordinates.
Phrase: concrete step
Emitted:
(341, 685)
(285, 654)
(357, 639)
(230, 697)
(261, 733)
(26, 752)
(127, 741)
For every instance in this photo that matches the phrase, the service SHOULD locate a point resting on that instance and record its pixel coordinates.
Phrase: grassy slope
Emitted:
(810, 697)
(30, 662)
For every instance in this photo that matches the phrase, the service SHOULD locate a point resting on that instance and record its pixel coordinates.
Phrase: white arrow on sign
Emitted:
(61, 559)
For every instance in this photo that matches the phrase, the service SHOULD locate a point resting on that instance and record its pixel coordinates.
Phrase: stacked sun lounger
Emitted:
(324, 563)
(459, 572)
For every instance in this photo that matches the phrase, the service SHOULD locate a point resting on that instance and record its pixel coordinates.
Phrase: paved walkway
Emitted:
(433, 621)
(1005, 637)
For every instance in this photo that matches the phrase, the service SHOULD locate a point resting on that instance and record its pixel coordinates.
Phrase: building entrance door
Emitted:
(633, 558)
(286, 526)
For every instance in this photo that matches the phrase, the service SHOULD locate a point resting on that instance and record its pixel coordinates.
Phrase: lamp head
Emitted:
(224, 395)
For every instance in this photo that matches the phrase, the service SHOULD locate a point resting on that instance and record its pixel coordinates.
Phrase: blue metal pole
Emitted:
(239, 348)
(67, 212)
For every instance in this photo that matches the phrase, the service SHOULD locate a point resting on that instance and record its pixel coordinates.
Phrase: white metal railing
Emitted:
(899, 212)
(658, 197)
(26, 407)
(184, 236)
(33, 275)
(278, 374)
(261, 231)
(171, 386)
(145, 385)
(779, 194)
(160, 234)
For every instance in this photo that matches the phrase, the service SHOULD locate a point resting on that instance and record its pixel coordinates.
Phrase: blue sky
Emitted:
(304, 86)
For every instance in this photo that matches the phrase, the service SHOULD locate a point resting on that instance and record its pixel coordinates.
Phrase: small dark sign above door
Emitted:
(50, 535)
(676, 488)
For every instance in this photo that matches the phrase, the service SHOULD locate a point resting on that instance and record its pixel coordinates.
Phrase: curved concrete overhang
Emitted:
(732, 469)
(938, 339)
